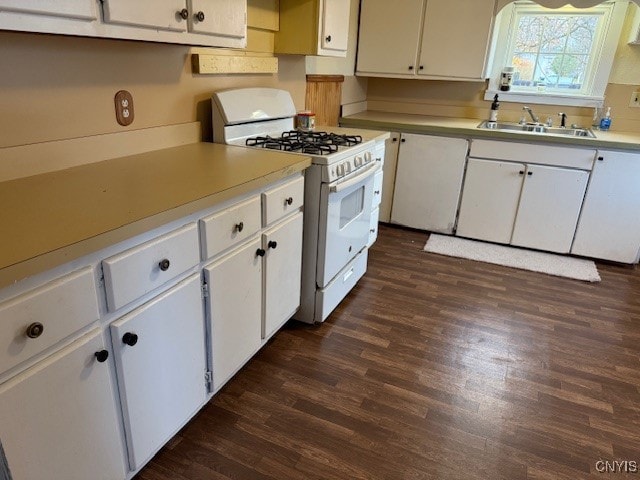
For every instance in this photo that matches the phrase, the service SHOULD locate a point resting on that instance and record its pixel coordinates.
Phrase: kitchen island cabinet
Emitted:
(405, 39)
(428, 181)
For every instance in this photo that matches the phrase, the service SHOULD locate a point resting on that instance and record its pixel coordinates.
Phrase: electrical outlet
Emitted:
(124, 108)
(635, 99)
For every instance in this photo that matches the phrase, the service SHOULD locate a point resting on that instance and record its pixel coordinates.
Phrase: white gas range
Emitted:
(342, 188)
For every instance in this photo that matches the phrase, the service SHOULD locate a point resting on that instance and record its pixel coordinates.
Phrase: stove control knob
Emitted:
(367, 157)
(340, 170)
(348, 167)
(357, 161)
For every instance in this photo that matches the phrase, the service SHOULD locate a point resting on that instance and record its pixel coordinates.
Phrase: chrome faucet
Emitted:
(530, 112)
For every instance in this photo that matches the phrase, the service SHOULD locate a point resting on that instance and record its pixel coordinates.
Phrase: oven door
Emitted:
(345, 212)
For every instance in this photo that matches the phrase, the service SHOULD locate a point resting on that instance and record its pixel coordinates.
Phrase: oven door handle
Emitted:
(355, 180)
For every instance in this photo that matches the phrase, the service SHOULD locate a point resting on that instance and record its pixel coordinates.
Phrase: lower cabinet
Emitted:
(159, 351)
(428, 182)
(281, 273)
(58, 419)
(526, 205)
(609, 225)
(234, 306)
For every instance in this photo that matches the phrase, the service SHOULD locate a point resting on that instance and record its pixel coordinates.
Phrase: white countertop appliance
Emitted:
(339, 188)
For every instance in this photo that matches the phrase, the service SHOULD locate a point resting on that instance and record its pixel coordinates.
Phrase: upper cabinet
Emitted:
(418, 39)
(313, 27)
(215, 23)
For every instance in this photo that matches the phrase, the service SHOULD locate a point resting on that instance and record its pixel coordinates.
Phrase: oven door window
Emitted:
(351, 206)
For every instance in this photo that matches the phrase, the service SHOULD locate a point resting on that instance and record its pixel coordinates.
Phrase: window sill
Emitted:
(546, 98)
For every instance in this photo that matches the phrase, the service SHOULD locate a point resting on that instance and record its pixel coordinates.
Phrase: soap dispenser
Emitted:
(605, 123)
(493, 113)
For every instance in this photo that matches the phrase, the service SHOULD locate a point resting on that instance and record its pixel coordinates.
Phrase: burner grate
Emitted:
(312, 143)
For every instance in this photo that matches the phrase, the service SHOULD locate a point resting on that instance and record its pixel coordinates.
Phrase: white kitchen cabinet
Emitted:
(428, 182)
(234, 309)
(417, 39)
(389, 175)
(549, 207)
(159, 351)
(211, 17)
(490, 200)
(282, 268)
(313, 27)
(58, 419)
(78, 9)
(609, 227)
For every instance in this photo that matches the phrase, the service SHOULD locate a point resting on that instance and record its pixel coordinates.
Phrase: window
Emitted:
(561, 56)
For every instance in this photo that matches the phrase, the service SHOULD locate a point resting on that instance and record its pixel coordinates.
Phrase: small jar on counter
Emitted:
(306, 120)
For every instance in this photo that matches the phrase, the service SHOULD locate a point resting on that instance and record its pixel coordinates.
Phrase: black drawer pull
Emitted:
(130, 339)
(289, 201)
(260, 252)
(200, 16)
(184, 13)
(35, 330)
(272, 244)
(239, 227)
(102, 356)
(164, 264)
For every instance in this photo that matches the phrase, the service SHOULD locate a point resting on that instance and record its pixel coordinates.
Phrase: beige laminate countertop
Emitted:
(464, 127)
(52, 218)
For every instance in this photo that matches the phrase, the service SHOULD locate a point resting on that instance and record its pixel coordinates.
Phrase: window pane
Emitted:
(525, 64)
(528, 34)
(554, 33)
(581, 37)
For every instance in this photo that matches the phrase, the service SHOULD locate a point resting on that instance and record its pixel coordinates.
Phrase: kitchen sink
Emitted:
(536, 128)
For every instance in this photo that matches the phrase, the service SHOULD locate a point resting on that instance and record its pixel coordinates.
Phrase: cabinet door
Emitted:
(389, 36)
(282, 269)
(59, 420)
(218, 17)
(161, 367)
(549, 208)
(160, 14)
(235, 300)
(334, 34)
(456, 38)
(609, 226)
(82, 9)
(389, 175)
(490, 200)
(428, 182)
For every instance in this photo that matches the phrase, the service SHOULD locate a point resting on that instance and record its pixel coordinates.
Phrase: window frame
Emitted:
(502, 45)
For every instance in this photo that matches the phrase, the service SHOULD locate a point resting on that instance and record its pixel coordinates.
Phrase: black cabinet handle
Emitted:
(260, 252)
(394, 139)
(600, 158)
(410, 67)
(164, 264)
(403, 140)
(130, 339)
(102, 356)
(272, 244)
(529, 173)
(377, 192)
(35, 330)
(289, 201)
(184, 13)
(200, 16)
(521, 172)
(421, 67)
(328, 38)
(239, 227)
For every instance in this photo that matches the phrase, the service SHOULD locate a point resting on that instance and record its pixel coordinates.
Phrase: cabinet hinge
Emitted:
(205, 290)
(208, 377)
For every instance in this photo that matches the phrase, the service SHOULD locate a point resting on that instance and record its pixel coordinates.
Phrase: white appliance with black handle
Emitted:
(339, 187)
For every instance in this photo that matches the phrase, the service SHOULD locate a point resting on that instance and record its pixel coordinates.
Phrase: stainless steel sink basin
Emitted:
(536, 128)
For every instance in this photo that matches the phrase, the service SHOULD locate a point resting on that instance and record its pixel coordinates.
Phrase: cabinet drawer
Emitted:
(282, 200)
(581, 158)
(141, 269)
(61, 307)
(229, 227)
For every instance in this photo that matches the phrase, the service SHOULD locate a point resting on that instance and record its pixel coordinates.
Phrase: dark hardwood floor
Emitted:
(434, 368)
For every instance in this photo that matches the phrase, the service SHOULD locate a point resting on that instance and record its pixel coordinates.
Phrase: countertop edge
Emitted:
(469, 132)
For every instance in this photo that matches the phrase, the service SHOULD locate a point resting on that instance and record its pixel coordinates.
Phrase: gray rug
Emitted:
(549, 263)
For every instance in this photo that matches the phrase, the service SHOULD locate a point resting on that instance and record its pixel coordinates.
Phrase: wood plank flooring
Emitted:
(434, 368)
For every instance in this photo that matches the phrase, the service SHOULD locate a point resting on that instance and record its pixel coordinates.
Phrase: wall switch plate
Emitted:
(635, 99)
(124, 108)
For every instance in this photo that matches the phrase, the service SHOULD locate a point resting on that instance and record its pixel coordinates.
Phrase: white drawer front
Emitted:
(141, 269)
(229, 227)
(282, 200)
(581, 158)
(62, 307)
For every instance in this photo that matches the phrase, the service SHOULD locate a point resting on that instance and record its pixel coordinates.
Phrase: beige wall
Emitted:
(465, 99)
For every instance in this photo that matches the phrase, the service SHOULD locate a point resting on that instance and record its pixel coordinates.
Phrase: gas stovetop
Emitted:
(309, 142)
